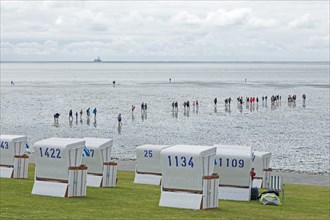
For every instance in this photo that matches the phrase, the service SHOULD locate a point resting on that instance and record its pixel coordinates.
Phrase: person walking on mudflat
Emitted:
(119, 120)
(56, 116)
(94, 112)
(70, 115)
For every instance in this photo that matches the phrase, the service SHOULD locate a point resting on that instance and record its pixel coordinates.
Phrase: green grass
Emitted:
(133, 201)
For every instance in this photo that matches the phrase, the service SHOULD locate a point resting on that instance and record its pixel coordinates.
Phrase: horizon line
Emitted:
(165, 61)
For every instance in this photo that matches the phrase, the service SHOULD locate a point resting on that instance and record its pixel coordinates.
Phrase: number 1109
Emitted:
(228, 163)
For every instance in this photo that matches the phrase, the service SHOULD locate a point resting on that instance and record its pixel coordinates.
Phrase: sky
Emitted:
(165, 30)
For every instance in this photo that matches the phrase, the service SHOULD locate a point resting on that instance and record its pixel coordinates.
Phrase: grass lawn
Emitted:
(133, 201)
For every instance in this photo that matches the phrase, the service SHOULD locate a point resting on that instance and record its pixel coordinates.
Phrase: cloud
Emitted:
(29, 48)
(306, 21)
(222, 17)
(318, 42)
(82, 19)
(84, 29)
(184, 17)
(261, 23)
(6, 48)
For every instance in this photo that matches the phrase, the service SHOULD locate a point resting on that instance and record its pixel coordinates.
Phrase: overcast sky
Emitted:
(165, 31)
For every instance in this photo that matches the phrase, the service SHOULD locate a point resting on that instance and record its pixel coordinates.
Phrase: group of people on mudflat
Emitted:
(88, 114)
(253, 100)
(186, 106)
(144, 108)
(273, 99)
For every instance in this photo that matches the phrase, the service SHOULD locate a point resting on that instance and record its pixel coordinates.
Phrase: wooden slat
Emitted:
(268, 169)
(96, 174)
(234, 186)
(22, 156)
(182, 190)
(158, 174)
(211, 177)
(110, 163)
(82, 167)
(51, 180)
(9, 166)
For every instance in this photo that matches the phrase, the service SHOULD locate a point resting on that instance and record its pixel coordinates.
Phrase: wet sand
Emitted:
(297, 134)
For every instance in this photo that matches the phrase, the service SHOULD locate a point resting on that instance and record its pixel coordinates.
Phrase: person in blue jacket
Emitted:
(94, 112)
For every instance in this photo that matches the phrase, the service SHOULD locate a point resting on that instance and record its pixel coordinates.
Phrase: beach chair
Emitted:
(276, 184)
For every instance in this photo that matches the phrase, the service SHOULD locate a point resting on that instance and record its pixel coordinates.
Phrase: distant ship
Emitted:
(98, 60)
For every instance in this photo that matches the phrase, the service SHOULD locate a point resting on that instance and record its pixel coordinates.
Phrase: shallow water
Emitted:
(297, 135)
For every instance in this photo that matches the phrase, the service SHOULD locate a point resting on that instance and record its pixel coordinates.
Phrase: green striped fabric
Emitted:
(275, 183)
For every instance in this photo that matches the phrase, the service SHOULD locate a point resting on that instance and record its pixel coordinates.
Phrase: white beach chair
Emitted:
(276, 184)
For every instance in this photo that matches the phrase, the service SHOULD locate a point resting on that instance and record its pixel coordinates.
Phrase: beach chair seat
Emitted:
(276, 184)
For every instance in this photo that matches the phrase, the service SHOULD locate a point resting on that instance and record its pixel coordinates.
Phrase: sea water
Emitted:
(297, 135)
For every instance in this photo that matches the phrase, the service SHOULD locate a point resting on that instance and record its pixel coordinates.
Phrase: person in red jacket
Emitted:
(252, 173)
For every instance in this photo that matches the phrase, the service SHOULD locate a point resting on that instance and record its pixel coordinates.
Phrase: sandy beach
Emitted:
(297, 134)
